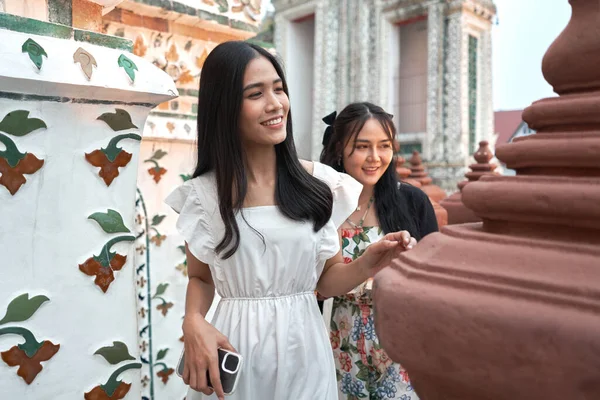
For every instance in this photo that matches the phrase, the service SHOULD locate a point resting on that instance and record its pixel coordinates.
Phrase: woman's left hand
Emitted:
(380, 254)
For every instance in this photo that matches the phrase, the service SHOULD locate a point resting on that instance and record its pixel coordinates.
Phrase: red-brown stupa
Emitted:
(509, 308)
(458, 213)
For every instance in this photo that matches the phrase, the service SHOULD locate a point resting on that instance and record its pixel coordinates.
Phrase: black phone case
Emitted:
(227, 379)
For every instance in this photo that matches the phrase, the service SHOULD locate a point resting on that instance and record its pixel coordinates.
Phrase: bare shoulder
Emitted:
(309, 166)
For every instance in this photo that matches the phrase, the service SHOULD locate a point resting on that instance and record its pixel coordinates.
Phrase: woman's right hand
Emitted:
(201, 342)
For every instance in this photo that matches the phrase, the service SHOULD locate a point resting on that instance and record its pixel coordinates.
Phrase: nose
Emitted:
(273, 103)
(373, 155)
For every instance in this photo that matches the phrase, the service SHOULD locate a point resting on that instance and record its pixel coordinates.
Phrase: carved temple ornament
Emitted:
(458, 213)
(509, 308)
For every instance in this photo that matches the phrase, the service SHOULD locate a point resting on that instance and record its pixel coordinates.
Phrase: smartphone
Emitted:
(230, 364)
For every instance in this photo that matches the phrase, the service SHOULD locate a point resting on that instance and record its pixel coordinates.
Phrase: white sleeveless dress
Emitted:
(268, 308)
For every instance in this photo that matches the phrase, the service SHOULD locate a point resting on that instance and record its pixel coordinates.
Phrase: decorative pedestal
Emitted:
(72, 107)
(457, 212)
(417, 176)
(510, 308)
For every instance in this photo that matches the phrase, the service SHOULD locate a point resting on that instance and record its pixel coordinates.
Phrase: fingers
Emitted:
(186, 374)
(413, 243)
(215, 378)
(402, 237)
(201, 381)
(224, 344)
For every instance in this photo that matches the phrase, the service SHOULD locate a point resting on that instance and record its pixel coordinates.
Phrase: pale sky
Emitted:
(525, 30)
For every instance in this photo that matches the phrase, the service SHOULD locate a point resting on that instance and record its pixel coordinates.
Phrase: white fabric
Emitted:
(268, 309)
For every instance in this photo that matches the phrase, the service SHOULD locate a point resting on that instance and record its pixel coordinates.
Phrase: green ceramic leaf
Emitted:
(35, 52)
(128, 65)
(18, 123)
(158, 154)
(161, 354)
(157, 219)
(185, 177)
(113, 150)
(182, 248)
(22, 308)
(116, 353)
(223, 5)
(119, 120)
(110, 221)
(161, 289)
(11, 154)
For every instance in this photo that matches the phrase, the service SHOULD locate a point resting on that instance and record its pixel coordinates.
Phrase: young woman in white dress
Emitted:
(261, 227)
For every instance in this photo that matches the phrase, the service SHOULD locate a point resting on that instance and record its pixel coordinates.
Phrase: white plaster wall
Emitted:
(36, 9)
(300, 78)
(45, 231)
(45, 235)
(161, 261)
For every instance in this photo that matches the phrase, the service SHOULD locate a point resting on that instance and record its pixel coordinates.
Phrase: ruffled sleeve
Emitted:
(193, 223)
(346, 191)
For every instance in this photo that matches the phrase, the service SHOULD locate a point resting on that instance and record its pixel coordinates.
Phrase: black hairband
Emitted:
(329, 120)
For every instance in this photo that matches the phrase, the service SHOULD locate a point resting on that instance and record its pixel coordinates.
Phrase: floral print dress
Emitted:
(363, 369)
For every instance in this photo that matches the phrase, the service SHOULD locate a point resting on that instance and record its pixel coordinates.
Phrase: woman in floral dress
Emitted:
(359, 142)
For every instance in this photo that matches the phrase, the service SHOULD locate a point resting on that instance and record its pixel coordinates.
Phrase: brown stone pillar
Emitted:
(510, 308)
(458, 213)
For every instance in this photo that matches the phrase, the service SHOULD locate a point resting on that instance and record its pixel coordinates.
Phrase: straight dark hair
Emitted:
(299, 195)
(393, 211)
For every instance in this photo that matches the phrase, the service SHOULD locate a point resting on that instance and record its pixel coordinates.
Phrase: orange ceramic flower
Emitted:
(185, 77)
(164, 374)
(98, 393)
(29, 367)
(157, 173)
(109, 170)
(104, 275)
(12, 177)
(158, 239)
(164, 308)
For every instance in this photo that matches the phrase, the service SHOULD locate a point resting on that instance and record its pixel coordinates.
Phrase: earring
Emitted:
(339, 160)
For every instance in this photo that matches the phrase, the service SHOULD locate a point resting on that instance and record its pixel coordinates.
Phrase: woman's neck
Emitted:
(365, 195)
(261, 164)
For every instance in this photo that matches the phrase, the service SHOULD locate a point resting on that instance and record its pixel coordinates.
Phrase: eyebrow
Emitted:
(368, 141)
(260, 84)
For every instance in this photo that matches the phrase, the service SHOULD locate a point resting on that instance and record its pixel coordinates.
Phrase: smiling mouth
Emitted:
(371, 169)
(273, 121)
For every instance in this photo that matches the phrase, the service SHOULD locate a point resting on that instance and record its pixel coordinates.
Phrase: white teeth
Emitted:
(273, 121)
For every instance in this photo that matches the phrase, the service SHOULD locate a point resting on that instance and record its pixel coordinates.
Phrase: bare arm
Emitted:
(201, 339)
(338, 278)
(201, 288)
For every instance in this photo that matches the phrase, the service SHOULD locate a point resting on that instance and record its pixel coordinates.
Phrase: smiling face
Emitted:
(368, 155)
(265, 105)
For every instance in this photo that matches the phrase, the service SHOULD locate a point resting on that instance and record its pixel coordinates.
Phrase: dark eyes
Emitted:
(256, 95)
(362, 146)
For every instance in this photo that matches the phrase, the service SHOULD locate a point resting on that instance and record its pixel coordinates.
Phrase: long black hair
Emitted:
(299, 195)
(393, 210)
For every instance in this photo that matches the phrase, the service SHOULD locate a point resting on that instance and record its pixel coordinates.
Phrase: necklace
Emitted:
(362, 220)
